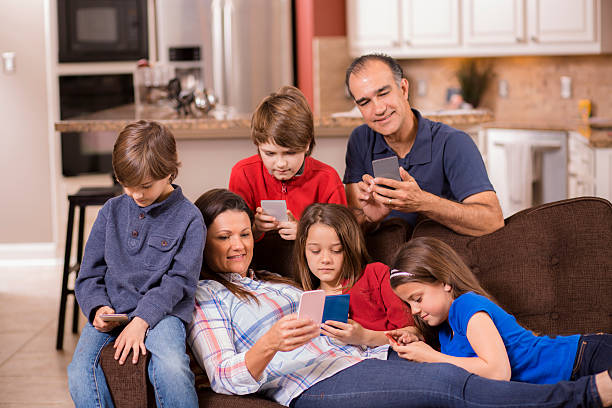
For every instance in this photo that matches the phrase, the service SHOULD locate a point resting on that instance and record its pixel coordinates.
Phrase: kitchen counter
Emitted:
(596, 131)
(238, 127)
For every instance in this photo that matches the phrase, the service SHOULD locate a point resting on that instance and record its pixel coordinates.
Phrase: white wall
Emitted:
(25, 158)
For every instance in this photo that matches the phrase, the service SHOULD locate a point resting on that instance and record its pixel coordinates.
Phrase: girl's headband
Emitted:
(396, 272)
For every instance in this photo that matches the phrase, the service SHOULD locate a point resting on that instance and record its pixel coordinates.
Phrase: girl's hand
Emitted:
(131, 338)
(349, 333)
(288, 229)
(102, 325)
(418, 351)
(289, 333)
(406, 335)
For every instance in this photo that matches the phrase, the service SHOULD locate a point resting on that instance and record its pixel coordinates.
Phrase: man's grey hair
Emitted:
(360, 62)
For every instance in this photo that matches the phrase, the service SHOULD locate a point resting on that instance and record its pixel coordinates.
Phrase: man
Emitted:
(442, 171)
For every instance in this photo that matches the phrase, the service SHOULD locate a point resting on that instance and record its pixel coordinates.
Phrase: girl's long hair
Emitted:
(429, 260)
(344, 223)
(213, 203)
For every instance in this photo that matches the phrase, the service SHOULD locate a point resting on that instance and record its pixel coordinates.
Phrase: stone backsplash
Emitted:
(534, 84)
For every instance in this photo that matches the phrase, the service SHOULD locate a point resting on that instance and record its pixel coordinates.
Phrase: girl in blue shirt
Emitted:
(474, 332)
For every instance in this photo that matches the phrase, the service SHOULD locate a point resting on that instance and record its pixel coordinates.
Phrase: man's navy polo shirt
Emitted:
(444, 161)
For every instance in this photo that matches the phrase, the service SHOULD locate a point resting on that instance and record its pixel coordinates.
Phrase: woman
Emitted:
(246, 335)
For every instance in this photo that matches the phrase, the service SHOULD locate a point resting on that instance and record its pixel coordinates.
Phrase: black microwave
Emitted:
(102, 30)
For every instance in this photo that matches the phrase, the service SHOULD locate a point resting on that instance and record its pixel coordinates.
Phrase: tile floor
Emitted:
(32, 372)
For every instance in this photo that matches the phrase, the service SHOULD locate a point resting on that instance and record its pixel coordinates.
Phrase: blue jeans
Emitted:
(594, 355)
(401, 383)
(168, 368)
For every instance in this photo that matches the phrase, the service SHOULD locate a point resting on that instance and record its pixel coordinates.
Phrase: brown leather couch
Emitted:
(550, 266)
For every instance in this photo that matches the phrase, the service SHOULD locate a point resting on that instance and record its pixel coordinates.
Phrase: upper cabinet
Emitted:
(455, 28)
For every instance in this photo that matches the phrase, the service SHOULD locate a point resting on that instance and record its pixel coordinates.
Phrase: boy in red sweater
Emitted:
(282, 128)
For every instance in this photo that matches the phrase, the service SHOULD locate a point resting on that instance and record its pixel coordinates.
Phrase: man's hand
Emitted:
(131, 338)
(288, 229)
(102, 325)
(405, 195)
(373, 210)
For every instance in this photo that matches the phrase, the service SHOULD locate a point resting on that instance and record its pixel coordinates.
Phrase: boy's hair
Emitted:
(144, 150)
(284, 118)
(212, 204)
(429, 260)
(360, 62)
(344, 223)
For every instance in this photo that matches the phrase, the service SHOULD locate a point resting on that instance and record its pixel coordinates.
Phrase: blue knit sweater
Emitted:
(143, 261)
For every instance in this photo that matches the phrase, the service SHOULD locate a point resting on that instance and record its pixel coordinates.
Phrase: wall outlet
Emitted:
(503, 88)
(566, 87)
(421, 87)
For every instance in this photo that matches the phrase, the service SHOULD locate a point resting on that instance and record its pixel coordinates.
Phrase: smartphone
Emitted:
(114, 317)
(392, 339)
(275, 208)
(387, 168)
(311, 305)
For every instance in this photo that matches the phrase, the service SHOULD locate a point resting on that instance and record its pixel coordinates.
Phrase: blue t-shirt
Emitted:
(444, 161)
(534, 359)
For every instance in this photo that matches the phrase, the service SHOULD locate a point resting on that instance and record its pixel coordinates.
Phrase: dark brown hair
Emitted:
(344, 223)
(143, 150)
(429, 260)
(284, 118)
(213, 203)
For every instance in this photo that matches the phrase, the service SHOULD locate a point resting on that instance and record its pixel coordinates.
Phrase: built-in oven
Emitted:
(90, 152)
(102, 30)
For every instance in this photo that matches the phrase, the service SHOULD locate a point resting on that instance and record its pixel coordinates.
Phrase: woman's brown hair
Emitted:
(144, 150)
(429, 260)
(284, 118)
(213, 203)
(344, 223)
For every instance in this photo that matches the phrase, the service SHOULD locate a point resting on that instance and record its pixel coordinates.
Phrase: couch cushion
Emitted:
(387, 238)
(550, 266)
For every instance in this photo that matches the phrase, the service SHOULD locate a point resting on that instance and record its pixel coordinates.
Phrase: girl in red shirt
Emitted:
(331, 255)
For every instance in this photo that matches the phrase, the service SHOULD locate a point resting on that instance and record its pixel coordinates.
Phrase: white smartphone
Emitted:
(114, 317)
(276, 208)
(311, 305)
(387, 168)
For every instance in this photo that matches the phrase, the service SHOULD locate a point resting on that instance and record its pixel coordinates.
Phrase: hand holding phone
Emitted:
(311, 305)
(276, 208)
(392, 339)
(115, 317)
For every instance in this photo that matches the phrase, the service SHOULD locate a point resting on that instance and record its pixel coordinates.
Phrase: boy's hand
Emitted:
(102, 325)
(264, 222)
(288, 229)
(131, 338)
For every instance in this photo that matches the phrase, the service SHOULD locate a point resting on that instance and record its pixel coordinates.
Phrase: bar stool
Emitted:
(84, 197)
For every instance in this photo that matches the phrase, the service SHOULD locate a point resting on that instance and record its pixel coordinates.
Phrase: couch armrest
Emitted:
(127, 383)
(550, 265)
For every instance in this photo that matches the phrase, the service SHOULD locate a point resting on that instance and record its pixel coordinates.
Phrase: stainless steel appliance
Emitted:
(102, 30)
(240, 50)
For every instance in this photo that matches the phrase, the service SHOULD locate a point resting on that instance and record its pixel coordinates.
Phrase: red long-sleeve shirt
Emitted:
(373, 303)
(318, 183)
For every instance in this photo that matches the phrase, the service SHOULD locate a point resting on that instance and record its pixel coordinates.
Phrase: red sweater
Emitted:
(319, 183)
(373, 303)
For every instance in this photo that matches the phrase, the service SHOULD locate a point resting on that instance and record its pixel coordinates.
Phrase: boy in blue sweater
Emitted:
(142, 259)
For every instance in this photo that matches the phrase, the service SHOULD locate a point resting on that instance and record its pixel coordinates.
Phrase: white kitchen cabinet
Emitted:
(580, 166)
(472, 28)
(603, 173)
(400, 27)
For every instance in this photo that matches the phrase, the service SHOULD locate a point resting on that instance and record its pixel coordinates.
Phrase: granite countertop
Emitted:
(597, 130)
(225, 126)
